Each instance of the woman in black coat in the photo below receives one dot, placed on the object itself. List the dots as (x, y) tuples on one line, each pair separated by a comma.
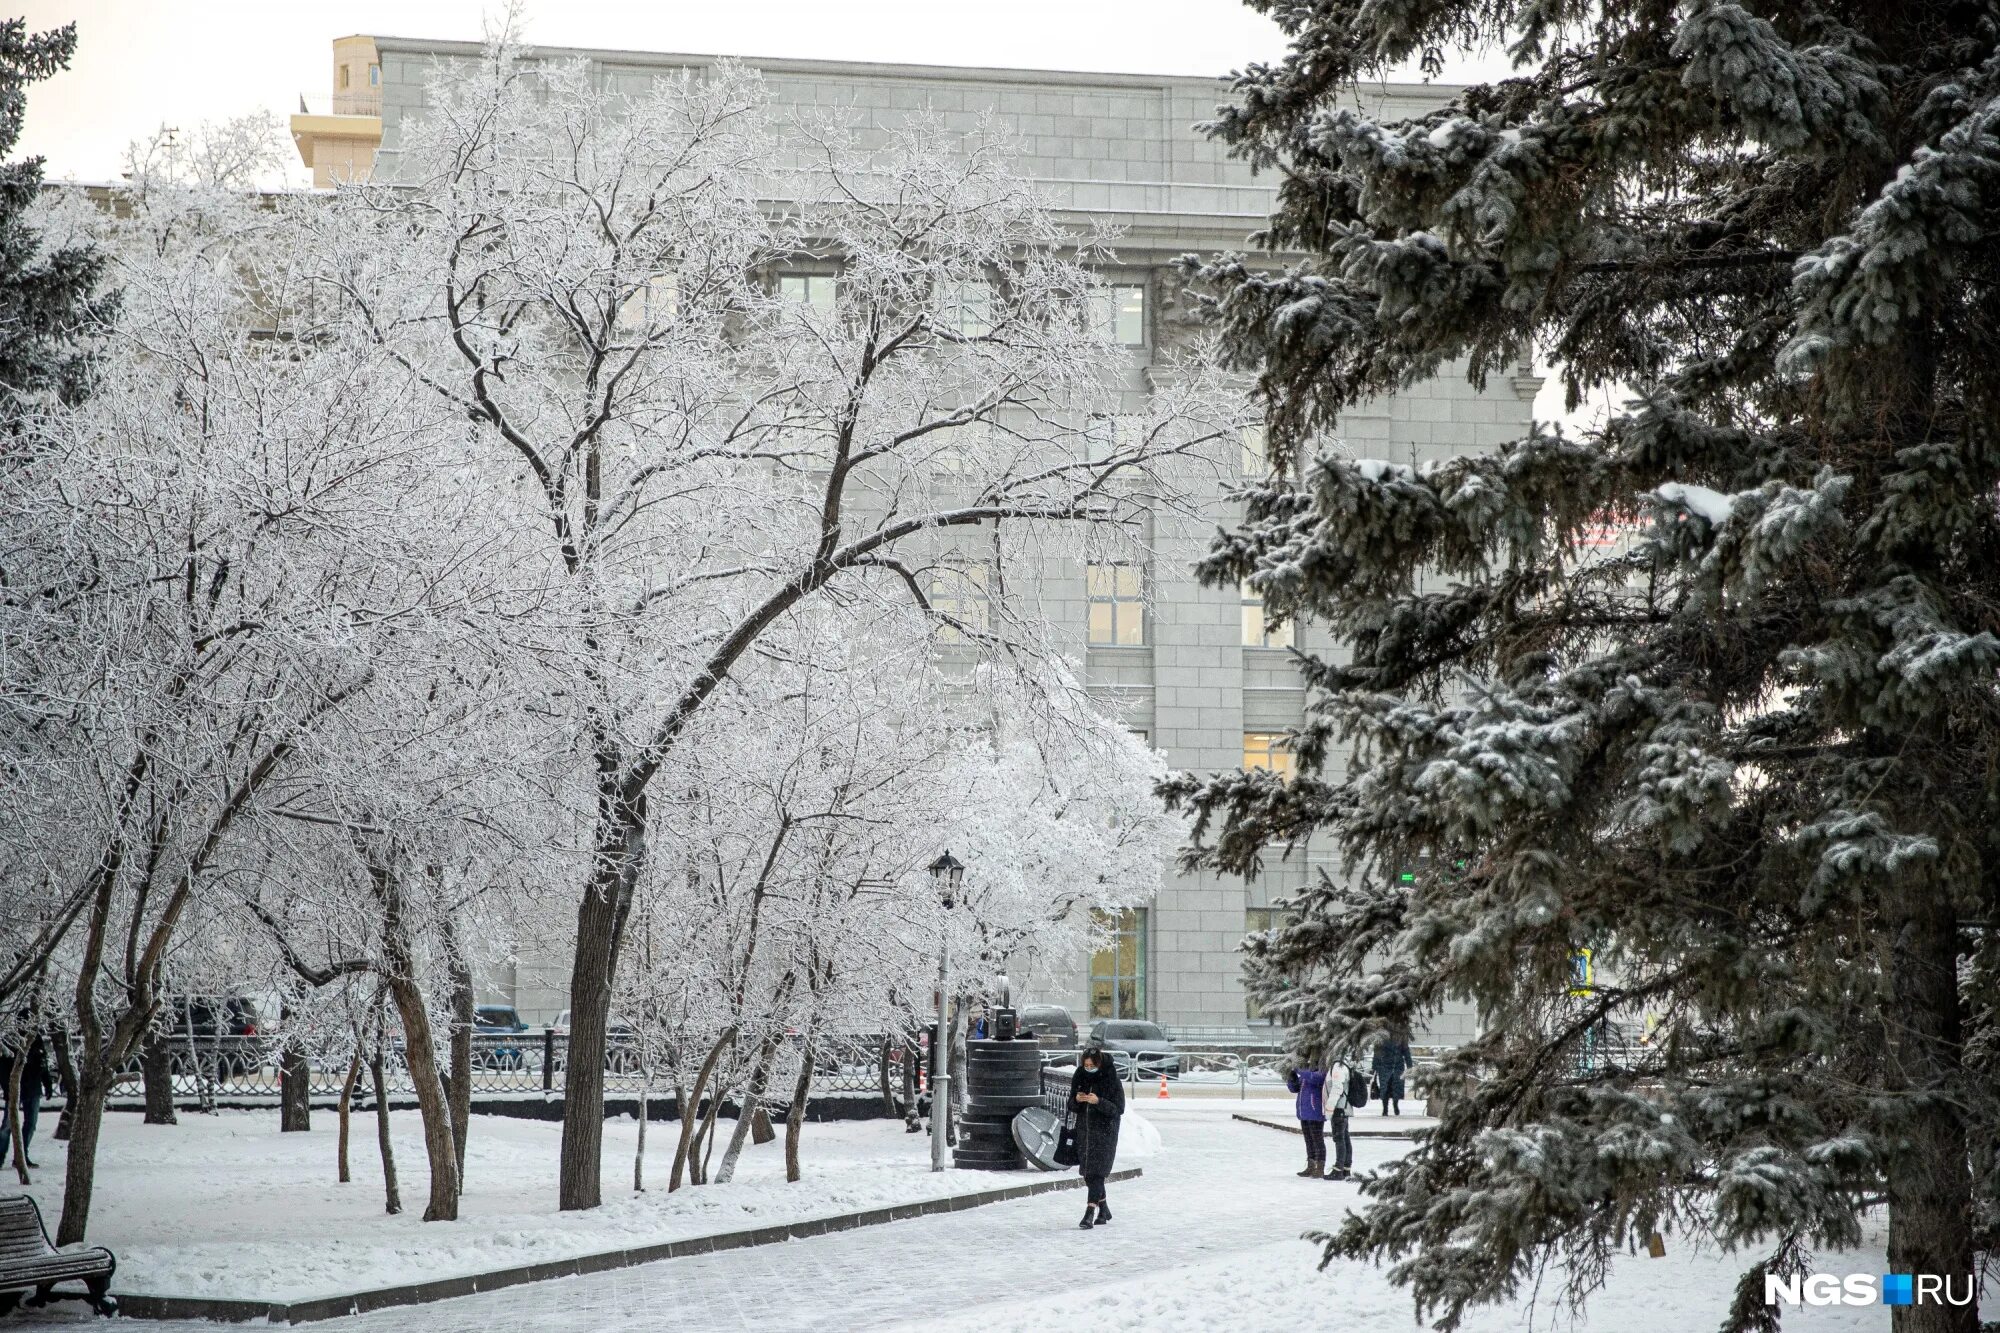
[(1098, 1099)]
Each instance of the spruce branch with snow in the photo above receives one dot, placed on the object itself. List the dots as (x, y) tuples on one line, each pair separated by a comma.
[(1747, 758)]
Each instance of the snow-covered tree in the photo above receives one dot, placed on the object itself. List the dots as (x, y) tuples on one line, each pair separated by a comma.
[(214, 550), (49, 295), (1750, 761), (725, 370)]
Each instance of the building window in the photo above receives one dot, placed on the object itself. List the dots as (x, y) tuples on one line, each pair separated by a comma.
[(1256, 452), (961, 593), (809, 289), (654, 301), (1118, 971), (374, 76), (1119, 313), (346, 77), (1268, 750), (1257, 920), (1257, 631), (1116, 597), (967, 308)]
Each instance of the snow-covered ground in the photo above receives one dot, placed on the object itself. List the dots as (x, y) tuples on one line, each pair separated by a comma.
[(225, 1205), (1207, 1240)]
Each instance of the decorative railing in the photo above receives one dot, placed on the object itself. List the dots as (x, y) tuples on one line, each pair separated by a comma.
[(209, 1068)]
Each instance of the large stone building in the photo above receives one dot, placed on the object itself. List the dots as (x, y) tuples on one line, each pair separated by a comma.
[(1190, 667)]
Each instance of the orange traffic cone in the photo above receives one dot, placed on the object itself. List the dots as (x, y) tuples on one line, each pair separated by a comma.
[(1163, 1087)]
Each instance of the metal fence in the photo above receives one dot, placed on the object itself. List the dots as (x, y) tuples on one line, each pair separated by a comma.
[(230, 1067)]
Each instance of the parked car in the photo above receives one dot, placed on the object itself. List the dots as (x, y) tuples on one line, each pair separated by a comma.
[(1130, 1042), (221, 1029), (621, 1044), (497, 1021), (1052, 1025)]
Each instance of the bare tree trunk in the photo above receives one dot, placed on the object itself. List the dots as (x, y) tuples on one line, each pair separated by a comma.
[(66, 1076), (600, 930), (690, 1110), (795, 1118), (1930, 1188), (346, 1112), (80, 1171), (639, 1153), (419, 1050), (294, 1089), (882, 1076), (746, 1112), (392, 1196), (460, 1088), (703, 1145), (421, 1058), (708, 1133), (156, 1072), (910, 1082)]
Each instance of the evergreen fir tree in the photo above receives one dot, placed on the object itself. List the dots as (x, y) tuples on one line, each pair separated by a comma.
[(1752, 759), (47, 296)]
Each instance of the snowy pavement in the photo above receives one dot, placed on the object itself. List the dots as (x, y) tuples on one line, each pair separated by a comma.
[(1206, 1240), (226, 1206)]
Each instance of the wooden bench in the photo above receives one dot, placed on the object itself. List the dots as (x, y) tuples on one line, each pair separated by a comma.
[(31, 1267)]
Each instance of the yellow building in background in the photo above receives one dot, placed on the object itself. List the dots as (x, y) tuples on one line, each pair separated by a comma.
[(341, 145)]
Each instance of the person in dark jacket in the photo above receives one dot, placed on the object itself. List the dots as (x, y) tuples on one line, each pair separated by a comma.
[(1098, 1099), (37, 1081), (1392, 1057), (1310, 1085)]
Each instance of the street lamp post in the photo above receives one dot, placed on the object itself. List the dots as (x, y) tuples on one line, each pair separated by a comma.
[(947, 874)]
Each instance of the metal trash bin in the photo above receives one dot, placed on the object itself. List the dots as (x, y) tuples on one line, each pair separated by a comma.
[(1002, 1079)]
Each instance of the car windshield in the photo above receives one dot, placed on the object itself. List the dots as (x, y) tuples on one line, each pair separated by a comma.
[(1132, 1032), (495, 1017)]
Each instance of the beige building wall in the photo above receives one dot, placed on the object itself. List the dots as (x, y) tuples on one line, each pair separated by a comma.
[(340, 143), (1116, 149)]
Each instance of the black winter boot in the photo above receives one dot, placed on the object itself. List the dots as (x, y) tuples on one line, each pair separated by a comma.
[(1086, 1224), (1103, 1212)]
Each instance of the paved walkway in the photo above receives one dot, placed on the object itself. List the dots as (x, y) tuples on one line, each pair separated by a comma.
[(1220, 1186)]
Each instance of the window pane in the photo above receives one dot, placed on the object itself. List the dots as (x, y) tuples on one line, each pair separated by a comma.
[(968, 308), (653, 301), (1132, 623), (1100, 999), (1100, 623), (1098, 439), (1266, 750), (1098, 580), (1131, 326), (813, 289), (1128, 581), (1256, 452)]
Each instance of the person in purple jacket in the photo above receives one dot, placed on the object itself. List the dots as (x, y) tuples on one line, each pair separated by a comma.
[(1310, 1085)]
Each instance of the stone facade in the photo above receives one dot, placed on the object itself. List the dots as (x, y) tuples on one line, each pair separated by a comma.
[(1119, 150)]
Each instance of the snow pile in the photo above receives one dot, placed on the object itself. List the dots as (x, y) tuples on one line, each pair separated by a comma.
[(1138, 1139)]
